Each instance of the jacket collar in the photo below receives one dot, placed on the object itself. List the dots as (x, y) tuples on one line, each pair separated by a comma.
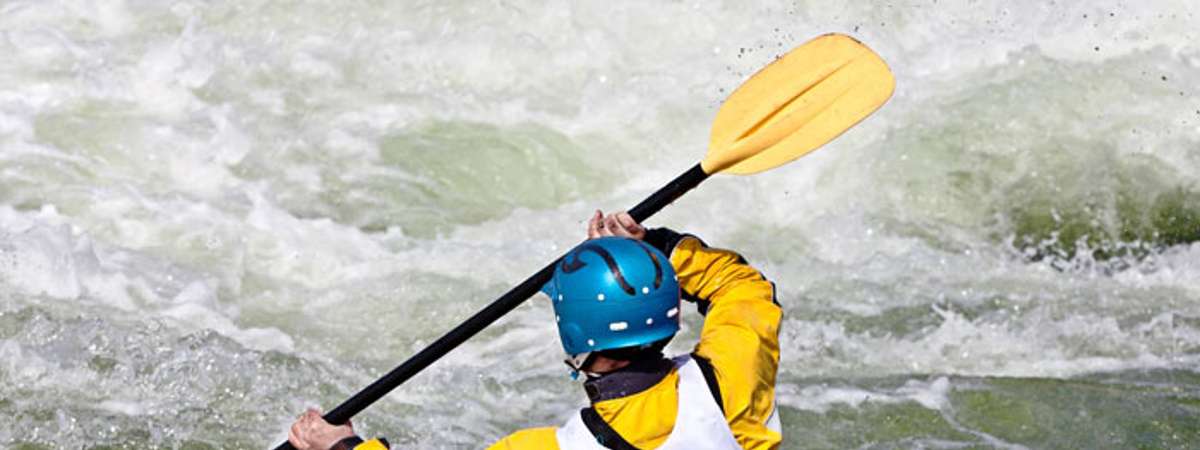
[(636, 377)]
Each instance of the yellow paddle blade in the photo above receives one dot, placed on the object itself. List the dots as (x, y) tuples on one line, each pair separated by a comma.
[(796, 104)]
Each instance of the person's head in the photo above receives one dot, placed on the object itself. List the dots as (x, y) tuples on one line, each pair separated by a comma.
[(615, 297)]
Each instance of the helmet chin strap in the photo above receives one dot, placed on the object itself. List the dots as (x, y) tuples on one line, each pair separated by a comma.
[(577, 363)]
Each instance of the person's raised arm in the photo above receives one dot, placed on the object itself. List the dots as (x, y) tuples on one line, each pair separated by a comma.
[(740, 337)]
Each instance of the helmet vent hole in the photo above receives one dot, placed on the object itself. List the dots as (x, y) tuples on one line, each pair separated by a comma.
[(618, 326)]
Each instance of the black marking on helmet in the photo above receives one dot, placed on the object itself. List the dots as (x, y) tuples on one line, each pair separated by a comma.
[(658, 271), (572, 263)]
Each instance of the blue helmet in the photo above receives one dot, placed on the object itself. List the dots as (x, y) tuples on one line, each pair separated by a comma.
[(613, 292)]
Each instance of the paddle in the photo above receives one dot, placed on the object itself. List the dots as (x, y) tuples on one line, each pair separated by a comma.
[(791, 107)]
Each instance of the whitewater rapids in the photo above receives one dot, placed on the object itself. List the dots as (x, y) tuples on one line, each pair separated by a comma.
[(216, 213)]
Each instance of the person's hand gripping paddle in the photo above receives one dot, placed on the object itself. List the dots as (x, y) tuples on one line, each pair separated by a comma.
[(791, 107)]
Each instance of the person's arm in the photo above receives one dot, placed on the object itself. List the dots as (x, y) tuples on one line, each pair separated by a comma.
[(740, 336), (530, 438)]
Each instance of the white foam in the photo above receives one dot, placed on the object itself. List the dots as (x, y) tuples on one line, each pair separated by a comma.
[(820, 398), (128, 408), (1039, 345), (40, 256)]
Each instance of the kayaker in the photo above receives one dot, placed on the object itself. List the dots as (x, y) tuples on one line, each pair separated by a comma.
[(616, 300)]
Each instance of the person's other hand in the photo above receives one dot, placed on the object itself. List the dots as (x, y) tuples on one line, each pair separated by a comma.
[(312, 432), (617, 224)]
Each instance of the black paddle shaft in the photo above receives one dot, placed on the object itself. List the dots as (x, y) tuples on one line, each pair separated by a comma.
[(493, 312)]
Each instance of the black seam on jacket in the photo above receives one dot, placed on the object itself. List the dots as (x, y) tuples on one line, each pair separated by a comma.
[(604, 433), (710, 378)]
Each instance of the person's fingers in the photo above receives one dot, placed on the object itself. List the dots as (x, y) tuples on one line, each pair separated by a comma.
[(614, 228), (635, 229), (603, 227), (295, 441), (594, 225), (627, 221), (294, 436), (307, 423)]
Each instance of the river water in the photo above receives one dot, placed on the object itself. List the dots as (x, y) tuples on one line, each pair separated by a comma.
[(216, 213)]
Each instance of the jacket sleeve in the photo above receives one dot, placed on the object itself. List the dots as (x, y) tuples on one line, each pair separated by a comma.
[(373, 444), (740, 336), (357, 443), (531, 438)]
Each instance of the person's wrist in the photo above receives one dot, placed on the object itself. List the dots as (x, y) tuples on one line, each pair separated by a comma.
[(663, 239), (347, 443)]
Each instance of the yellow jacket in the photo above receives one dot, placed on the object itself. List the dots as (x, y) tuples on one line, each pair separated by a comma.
[(740, 338)]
